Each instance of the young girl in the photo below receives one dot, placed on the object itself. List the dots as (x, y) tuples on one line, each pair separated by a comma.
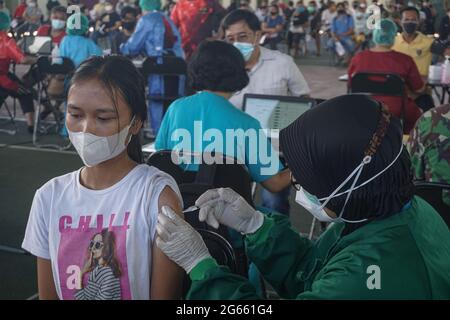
[(110, 206)]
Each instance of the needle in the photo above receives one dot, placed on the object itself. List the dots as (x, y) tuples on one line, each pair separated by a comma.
[(191, 209)]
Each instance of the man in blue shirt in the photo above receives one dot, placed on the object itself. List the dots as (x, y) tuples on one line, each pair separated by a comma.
[(342, 29), (155, 36), (273, 26)]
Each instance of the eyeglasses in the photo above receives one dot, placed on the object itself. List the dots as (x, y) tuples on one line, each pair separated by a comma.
[(95, 244), (294, 183)]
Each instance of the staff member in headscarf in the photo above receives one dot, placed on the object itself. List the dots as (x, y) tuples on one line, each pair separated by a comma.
[(349, 167)]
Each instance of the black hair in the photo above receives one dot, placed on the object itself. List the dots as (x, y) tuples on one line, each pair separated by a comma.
[(59, 9), (217, 66), (118, 75), (410, 9), (127, 10), (241, 15)]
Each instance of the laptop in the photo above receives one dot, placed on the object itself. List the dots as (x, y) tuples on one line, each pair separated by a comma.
[(276, 112)]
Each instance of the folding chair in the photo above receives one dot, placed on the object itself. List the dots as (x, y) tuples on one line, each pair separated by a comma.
[(11, 115), (173, 70), (45, 68), (381, 84), (432, 193), (209, 176)]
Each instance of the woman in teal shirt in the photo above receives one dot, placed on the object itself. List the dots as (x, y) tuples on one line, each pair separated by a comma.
[(349, 167), (207, 121)]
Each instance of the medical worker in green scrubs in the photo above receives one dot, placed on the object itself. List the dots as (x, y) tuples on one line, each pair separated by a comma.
[(349, 167)]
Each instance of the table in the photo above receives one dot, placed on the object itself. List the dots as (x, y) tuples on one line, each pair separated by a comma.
[(445, 90)]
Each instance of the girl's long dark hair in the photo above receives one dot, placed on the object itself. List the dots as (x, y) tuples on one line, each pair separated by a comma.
[(119, 76)]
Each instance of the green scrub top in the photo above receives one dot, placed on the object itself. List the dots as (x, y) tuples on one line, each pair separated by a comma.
[(405, 256)]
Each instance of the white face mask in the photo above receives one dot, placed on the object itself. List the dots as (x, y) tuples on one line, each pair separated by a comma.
[(316, 208), (93, 149)]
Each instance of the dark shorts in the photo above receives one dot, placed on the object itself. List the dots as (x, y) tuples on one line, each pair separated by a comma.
[(296, 37)]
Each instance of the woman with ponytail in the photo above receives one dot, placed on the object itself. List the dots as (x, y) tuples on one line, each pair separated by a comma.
[(114, 191)]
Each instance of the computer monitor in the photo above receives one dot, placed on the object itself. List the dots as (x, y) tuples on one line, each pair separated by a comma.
[(276, 112), (36, 45)]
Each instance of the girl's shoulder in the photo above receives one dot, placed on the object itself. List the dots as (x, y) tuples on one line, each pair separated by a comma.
[(60, 182)]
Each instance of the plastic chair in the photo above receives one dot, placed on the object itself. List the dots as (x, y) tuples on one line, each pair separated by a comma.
[(381, 84), (432, 192), (171, 68), (45, 68)]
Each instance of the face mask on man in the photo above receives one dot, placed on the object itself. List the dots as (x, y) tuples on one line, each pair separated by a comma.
[(245, 48), (410, 27), (316, 207), (31, 4), (58, 24), (93, 149), (311, 9), (341, 11)]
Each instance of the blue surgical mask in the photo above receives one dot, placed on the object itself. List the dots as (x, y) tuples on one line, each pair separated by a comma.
[(317, 208), (245, 48), (58, 24)]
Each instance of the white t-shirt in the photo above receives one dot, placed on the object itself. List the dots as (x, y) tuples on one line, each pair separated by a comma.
[(327, 17), (107, 233), (275, 74)]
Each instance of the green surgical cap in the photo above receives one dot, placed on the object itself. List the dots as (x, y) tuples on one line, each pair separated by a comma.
[(385, 32), (77, 24), (5, 21), (150, 5)]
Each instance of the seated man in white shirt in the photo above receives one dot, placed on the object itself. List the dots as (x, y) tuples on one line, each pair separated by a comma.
[(270, 72)]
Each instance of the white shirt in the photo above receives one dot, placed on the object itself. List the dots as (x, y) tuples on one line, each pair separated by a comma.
[(327, 17), (275, 74), (74, 227)]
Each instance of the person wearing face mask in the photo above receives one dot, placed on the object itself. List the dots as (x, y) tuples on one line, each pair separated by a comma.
[(328, 15), (315, 15), (261, 11), (57, 27), (127, 26), (32, 16), (155, 35), (270, 72), (381, 58), (297, 30), (107, 27), (100, 220), (385, 243), (272, 27), (342, 30), (412, 42)]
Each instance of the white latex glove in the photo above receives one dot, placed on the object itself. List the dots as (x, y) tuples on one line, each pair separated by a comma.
[(179, 241), (225, 206)]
